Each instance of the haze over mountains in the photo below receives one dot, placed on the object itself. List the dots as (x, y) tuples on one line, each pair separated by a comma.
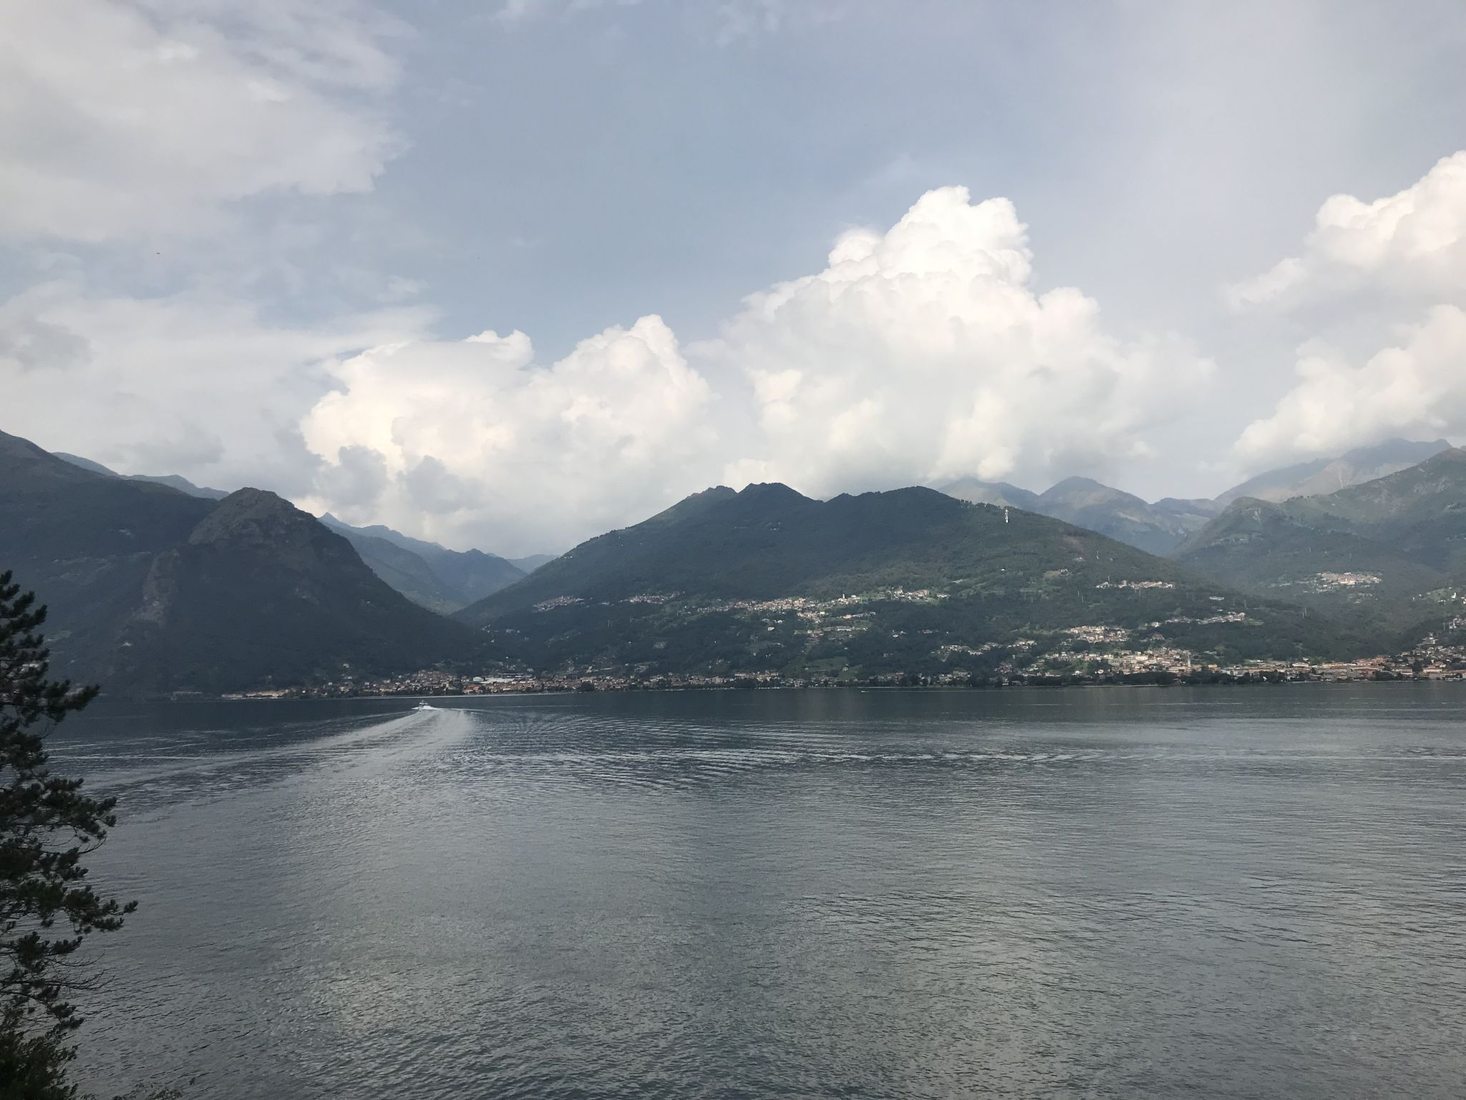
[(1161, 527), (433, 576), (160, 585)]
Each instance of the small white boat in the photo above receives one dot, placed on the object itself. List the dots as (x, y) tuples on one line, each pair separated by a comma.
[(423, 706)]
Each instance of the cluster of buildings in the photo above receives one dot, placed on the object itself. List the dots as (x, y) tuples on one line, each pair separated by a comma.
[(1162, 665), (1094, 654), (1432, 660)]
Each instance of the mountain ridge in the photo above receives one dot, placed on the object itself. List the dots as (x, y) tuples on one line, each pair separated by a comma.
[(907, 579), (150, 589), (433, 576), (430, 575), (1162, 526), (1392, 549)]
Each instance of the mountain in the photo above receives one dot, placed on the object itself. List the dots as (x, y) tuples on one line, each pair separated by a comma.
[(1155, 528), (1419, 511), (1120, 515), (532, 562), (1161, 527), (433, 576), (85, 464), (152, 589), (261, 592), (183, 485), (976, 491), (429, 575), (908, 580), (1392, 550), (1274, 549), (1328, 475), (1189, 515), (173, 481)]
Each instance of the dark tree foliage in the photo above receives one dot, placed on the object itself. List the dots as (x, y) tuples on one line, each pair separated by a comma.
[(47, 828)]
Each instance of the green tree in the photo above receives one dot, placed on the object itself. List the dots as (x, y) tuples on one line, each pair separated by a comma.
[(47, 829)]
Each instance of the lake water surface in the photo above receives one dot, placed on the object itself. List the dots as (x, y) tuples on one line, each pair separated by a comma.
[(1234, 892)]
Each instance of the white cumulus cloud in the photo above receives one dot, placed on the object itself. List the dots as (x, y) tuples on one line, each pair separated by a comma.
[(917, 354), (1414, 388), (926, 353), (121, 120), (186, 384), (1401, 260), (473, 442), (1411, 245)]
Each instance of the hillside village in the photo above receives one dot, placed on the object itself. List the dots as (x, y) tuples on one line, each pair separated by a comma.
[(1111, 665)]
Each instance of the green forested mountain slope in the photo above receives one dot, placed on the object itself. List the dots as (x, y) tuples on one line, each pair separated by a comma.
[(904, 580), (1392, 550), (430, 575), (152, 589), (262, 592), (1419, 511)]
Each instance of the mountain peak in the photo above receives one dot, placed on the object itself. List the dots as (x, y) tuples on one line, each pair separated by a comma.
[(770, 492), (255, 516), (974, 490), (1451, 456), (1085, 490)]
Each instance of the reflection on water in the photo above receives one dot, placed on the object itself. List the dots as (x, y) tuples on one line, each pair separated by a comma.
[(1234, 892)]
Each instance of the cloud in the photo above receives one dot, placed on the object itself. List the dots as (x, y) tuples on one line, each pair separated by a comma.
[(479, 444), (1416, 388), (189, 384), (925, 353), (123, 120), (1409, 245), (511, 12), (729, 21), (917, 354), (1401, 261)]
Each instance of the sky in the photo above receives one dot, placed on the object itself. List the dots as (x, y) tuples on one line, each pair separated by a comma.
[(511, 273)]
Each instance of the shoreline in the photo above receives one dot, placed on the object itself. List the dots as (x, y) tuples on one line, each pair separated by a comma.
[(617, 685)]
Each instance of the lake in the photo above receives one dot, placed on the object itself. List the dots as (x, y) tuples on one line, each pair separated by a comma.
[(1226, 892)]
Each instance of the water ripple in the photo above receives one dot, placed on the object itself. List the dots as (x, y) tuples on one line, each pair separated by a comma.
[(829, 894)]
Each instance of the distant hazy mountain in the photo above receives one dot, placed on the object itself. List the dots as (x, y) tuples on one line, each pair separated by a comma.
[(904, 580), (533, 562), (1120, 515), (1328, 475), (976, 491), (1161, 527), (1392, 549), (428, 574), (1155, 528), (153, 589), (173, 481)]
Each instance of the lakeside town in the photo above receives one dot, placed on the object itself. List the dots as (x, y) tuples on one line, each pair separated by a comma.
[(1432, 659)]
